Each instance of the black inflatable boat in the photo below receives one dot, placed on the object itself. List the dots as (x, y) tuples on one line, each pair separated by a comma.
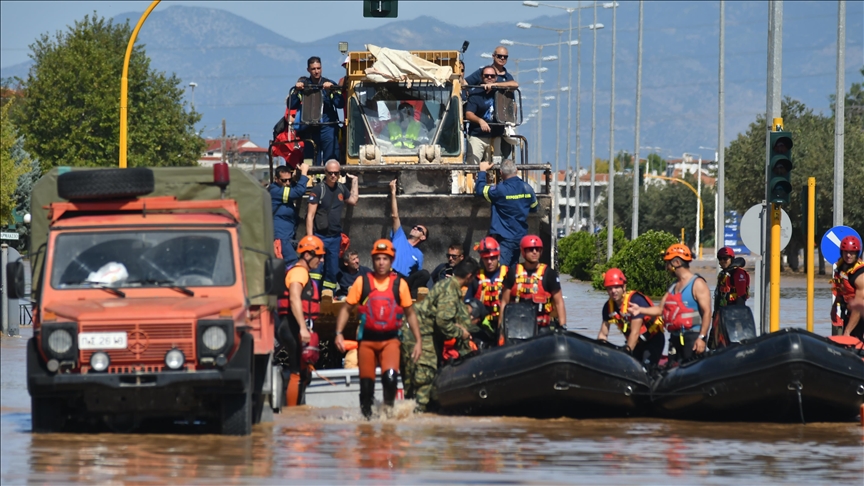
[(551, 375), (787, 376)]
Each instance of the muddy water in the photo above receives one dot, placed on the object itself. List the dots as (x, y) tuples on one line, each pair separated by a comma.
[(332, 445)]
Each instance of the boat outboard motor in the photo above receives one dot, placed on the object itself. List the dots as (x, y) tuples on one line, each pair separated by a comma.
[(389, 384), (736, 324), (520, 322)]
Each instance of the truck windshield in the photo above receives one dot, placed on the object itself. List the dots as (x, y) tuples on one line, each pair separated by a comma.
[(142, 258), (400, 119)]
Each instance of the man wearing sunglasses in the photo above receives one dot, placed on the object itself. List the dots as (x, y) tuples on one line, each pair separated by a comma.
[(502, 79), (483, 132), (324, 134), (455, 254), (285, 193), (409, 259), (324, 219)]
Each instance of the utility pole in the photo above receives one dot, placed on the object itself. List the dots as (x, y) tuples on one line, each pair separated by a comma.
[(839, 113), (634, 230), (593, 123), (569, 113), (772, 111), (610, 188), (223, 141), (720, 233), (577, 168)]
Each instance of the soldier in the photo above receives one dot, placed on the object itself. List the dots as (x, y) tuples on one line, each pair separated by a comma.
[(442, 315)]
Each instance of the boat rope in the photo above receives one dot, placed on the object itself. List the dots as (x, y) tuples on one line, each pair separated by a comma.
[(796, 386), (312, 369), (562, 386)]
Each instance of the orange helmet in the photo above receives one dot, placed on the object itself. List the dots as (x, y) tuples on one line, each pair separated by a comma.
[(530, 241), (678, 250), (310, 243), (614, 277), (488, 247), (383, 247)]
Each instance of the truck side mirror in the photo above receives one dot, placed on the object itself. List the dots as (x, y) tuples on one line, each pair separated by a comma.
[(15, 279), (274, 276)]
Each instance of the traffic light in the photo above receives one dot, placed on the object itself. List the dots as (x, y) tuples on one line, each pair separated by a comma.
[(780, 165), (380, 8)]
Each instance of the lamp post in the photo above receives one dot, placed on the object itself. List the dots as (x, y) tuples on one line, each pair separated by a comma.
[(699, 199), (193, 85), (719, 218), (634, 230), (610, 187)]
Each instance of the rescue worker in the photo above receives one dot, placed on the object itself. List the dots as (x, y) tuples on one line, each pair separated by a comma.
[(324, 135), (488, 287), (686, 307), (503, 79), (644, 335), (383, 299), (324, 219), (409, 258), (511, 200), (285, 195), (484, 133), (442, 316), (455, 254), (404, 130), (534, 282), (847, 284), (733, 282), (297, 311)]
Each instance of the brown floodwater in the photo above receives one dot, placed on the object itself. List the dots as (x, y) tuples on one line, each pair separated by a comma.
[(334, 446)]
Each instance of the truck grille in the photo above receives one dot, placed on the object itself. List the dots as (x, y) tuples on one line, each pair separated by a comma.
[(147, 345)]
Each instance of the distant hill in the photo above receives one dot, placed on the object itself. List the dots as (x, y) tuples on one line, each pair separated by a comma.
[(243, 71)]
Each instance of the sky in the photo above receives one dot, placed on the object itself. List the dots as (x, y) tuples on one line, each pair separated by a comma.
[(23, 21)]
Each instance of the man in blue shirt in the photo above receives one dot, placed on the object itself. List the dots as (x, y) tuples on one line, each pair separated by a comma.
[(483, 132), (503, 79), (349, 270), (285, 194), (511, 200), (409, 259), (323, 135)]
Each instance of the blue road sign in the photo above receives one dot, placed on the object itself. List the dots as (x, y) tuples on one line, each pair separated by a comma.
[(831, 242), (732, 233)]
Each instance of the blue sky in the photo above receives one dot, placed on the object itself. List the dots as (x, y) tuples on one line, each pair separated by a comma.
[(22, 22)]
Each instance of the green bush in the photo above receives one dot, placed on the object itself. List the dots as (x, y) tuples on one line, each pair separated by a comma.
[(642, 264), (577, 254)]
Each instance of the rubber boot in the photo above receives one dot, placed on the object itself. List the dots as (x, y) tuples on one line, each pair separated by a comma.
[(367, 396), (292, 393), (389, 384)]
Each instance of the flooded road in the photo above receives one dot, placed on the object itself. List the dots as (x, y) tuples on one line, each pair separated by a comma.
[(333, 445)]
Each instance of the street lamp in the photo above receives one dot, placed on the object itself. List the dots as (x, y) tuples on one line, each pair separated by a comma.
[(699, 199), (719, 219), (192, 85)]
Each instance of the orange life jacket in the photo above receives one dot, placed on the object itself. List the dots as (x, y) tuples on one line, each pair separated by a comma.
[(531, 287), (380, 312), (726, 293), (840, 284), (310, 297), (681, 311), (621, 318), (489, 291)]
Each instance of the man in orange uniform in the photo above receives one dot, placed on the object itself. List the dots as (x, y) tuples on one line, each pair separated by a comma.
[(686, 307), (644, 335), (534, 282), (383, 298), (297, 312)]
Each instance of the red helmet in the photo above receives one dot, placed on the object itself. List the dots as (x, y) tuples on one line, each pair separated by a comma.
[(726, 252), (530, 241), (850, 243), (614, 277), (488, 247)]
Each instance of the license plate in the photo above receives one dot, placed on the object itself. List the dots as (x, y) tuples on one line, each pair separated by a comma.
[(102, 340)]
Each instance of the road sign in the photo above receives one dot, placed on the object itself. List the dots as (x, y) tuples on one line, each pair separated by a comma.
[(732, 233), (831, 242), (752, 233), (15, 236)]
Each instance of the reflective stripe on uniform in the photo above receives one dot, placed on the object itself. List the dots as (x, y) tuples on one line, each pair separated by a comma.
[(486, 193), (285, 191)]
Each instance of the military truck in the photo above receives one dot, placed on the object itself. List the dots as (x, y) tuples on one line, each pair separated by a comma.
[(435, 184), (153, 294)]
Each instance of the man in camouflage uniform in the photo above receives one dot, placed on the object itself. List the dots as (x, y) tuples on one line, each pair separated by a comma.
[(441, 315)]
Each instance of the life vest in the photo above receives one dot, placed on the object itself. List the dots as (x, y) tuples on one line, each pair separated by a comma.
[(532, 287), (726, 293), (677, 315), (380, 312), (621, 318), (406, 139), (840, 284), (310, 297), (489, 292)]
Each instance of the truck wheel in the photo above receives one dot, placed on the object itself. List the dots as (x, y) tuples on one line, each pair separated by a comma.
[(236, 417), (105, 184), (47, 415)]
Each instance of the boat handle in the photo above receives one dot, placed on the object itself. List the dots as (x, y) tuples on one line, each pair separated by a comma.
[(561, 386), (860, 390), (628, 390), (482, 393)]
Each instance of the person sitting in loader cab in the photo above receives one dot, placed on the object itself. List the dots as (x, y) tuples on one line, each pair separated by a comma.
[(404, 130), (644, 335), (408, 261), (536, 283)]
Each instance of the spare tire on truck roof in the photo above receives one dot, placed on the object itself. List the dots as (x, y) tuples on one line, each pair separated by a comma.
[(105, 183)]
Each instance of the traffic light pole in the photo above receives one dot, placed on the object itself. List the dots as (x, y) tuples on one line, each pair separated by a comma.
[(775, 267)]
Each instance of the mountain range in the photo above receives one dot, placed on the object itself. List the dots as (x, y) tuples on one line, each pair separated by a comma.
[(243, 71)]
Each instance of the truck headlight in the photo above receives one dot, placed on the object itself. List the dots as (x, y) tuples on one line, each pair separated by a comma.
[(175, 359), (60, 341), (214, 338), (99, 361)]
